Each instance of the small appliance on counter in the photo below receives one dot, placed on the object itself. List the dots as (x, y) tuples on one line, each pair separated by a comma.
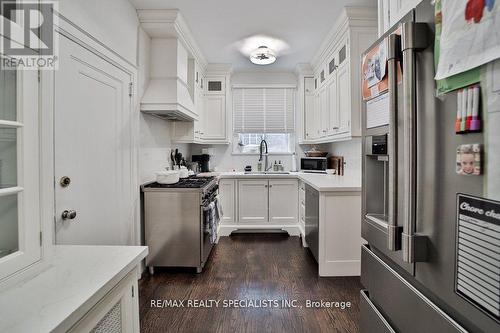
[(203, 161), (313, 164)]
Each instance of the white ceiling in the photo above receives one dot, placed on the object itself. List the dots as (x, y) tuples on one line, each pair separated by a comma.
[(219, 26)]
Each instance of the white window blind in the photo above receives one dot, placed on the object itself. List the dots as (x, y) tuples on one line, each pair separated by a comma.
[(264, 110)]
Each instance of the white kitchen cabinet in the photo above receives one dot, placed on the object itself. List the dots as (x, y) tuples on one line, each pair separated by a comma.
[(324, 112), (399, 8), (316, 117), (391, 11), (253, 201), (308, 107), (214, 118), (211, 103), (117, 312), (227, 194), (283, 195), (343, 94), (333, 108), (336, 66)]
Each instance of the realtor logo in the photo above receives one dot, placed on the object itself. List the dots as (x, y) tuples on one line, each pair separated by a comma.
[(27, 34)]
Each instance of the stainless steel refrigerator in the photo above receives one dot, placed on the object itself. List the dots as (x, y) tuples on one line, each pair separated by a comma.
[(432, 262)]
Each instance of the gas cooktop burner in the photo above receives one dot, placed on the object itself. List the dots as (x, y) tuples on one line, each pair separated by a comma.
[(191, 182)]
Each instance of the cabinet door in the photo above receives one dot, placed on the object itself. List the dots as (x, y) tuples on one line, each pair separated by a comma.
[(283, 200), (324, 112), (399, 8), (117, 312), (253, 201), (333, 107), (309, 107), (200, 106), (344, 98), (227, 194), (214, 118), (315, 133)]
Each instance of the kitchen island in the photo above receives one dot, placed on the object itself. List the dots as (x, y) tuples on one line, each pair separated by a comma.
[(277, 201)]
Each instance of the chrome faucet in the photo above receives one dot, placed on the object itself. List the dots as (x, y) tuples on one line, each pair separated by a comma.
[(266, 154)]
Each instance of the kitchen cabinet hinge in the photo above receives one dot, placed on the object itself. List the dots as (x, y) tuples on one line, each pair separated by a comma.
[(41, 238), (132, 291), (130, 89)]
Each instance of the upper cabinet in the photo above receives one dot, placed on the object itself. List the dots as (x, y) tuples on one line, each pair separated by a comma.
[(212, 102), (391, 11), (335, 113)]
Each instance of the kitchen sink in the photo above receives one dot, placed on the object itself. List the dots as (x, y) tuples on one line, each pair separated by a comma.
[(267, 173)]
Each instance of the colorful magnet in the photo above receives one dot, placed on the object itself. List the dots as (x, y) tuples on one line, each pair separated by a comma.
[(469, 159)]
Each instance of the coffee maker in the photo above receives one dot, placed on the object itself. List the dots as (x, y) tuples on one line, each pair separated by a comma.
[(204, 162)]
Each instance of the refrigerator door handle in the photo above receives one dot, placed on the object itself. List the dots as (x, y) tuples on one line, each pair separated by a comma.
[(414, 38), (393, 59)]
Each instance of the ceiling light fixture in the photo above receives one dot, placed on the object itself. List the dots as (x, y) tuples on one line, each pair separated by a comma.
[(263, 56)]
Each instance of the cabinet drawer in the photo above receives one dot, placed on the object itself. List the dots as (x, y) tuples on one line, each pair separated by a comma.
[(371, 320), (405, 308)]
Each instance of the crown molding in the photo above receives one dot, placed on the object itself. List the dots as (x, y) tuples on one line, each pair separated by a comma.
[(220, 69)]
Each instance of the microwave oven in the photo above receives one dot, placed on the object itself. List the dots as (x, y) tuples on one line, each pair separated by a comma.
[(313, 164)]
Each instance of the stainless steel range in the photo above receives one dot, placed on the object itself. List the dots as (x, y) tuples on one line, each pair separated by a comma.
[(175, 226)]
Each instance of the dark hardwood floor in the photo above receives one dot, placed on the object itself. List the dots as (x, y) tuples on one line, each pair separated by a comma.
[(250, 267)]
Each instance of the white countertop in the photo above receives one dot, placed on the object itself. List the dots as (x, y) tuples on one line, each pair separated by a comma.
[(321, 182), (76, 277)]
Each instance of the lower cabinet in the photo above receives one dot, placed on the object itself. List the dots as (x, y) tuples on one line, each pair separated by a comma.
[(283, 196), (117, 312), (227, 195), (258, 201), (253, 201)]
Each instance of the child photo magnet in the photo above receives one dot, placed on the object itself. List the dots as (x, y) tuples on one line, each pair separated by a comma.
[(469, 159)]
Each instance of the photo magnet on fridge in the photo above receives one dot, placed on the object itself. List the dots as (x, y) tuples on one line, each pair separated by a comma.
[(469, 159)]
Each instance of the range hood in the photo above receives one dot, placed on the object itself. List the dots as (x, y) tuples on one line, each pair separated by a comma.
[(169, 93)]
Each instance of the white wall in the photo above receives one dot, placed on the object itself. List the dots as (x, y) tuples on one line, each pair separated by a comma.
[(155, 134), (113, 22), (351, 150)]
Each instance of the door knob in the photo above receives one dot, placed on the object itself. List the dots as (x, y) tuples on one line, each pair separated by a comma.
[(65, 181), (68, 214)]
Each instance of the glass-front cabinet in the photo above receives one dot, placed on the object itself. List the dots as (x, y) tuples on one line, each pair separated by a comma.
[(20, 237)]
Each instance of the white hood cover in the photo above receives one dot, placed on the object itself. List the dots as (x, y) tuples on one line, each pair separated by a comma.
[(168, 98), (170, 91)]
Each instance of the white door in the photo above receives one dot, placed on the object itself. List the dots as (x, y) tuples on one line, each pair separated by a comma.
[(227, 195), (93, 147), (283, 200), (253, 201), (214, 118)]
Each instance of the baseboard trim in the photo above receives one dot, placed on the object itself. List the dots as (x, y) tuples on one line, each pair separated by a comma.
[(226, 230), (340, 268)]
